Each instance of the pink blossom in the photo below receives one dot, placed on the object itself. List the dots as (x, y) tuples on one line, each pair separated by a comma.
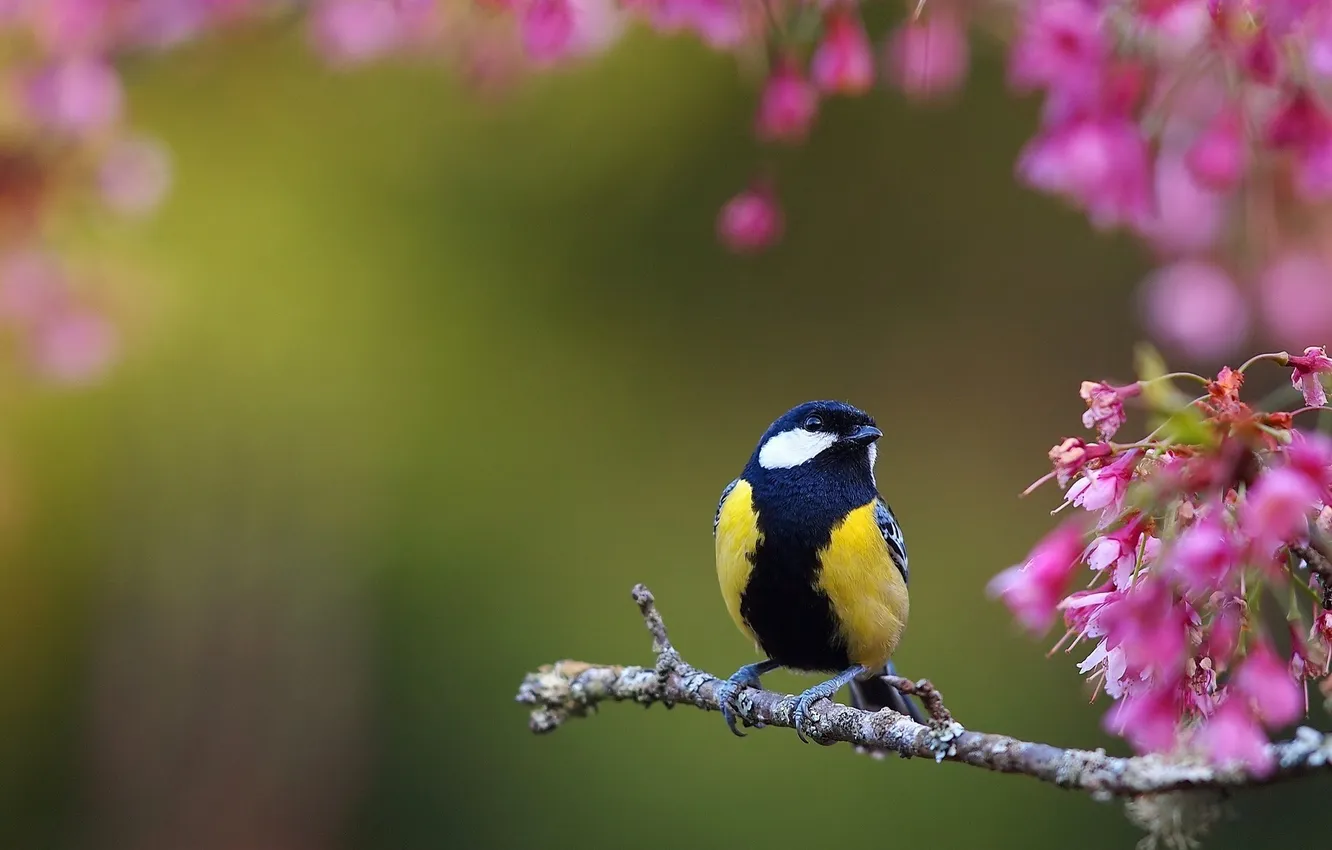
[(1265, 681), (1105, 406), (354, 31), (32, 287), (1059, 44), (75, 96), (1082, 609), (1220, 154), (1187, 216), (1321, 635), (1231, 735), (1119, 551), (1308, 367), (134, 176), (1276, 508), (1147, 720), (1201, 694), (1223, 634), (787, 106), (751, 221), (68, 27), (1195, 308), (1206, 555), (843, 62), (1304, 128), (1105, 487), (1310, 454), (547, 28), (74, 346), (1032, 589), (1296, 299), (721, 24), (1101, 164), (1151, 628), (928, 58), (1070, 456)]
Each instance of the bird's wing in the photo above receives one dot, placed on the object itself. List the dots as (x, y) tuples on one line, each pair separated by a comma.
[(716, 518), (892, 535)]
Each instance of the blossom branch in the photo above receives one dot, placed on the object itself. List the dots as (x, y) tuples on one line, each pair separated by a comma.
[(567, 689)]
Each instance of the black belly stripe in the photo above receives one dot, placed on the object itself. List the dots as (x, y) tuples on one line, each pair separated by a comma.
[(792, 619)]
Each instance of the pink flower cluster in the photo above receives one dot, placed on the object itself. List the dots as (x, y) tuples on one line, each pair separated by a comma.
[(1202, 127), (68, 140), (1177, 541)]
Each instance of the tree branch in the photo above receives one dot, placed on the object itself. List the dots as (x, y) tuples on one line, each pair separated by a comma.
[(567, 689)]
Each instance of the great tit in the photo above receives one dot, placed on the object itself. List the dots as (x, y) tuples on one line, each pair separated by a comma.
[(812, 562)]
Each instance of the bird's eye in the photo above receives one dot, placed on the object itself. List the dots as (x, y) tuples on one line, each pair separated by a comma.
[(813, 423)]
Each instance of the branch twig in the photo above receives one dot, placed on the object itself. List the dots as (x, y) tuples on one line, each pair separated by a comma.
[(1318, 563), (567, 689)]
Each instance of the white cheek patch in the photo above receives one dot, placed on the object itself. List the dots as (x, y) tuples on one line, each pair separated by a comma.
[(873, 456), (794, 447)]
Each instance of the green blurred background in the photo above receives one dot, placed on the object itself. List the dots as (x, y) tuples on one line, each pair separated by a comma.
[(419, 384)]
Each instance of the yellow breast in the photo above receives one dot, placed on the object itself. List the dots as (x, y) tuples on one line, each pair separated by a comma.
[(737, 538), (867, 591)]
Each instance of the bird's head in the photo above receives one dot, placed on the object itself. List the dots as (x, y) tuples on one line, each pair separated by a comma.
[(829, 431)]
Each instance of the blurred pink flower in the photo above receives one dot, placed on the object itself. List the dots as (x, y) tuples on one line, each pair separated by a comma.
[(1151, 628), (349, 32), (1032, 589), (1194, 308), (1223, 636), (74, 346), (547, 28), (1146, 720), (1186, 216), (1231, 735), (1206, 555), (1101, 164), (787, 106), (1276, 509), (1219, 156), (1059, 44), (1265, 681), (68, 27), (32, 287), (134, 176), (1296, 299), (77, 96), (1310, 455), (928, 58), (751, 221), (843, 62), (1307, 368), (721, 24)]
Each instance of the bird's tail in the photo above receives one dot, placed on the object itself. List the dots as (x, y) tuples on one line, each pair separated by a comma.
[(875, 693)]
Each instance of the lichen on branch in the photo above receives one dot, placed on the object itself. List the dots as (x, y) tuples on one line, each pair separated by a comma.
[(566, 689)]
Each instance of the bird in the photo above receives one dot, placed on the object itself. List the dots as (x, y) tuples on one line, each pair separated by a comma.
[(812, 561)]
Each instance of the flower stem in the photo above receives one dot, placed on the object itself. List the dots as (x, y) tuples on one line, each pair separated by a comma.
[(1281, 358)]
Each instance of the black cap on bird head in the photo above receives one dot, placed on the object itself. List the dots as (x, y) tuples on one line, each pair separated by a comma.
[(829, 430)]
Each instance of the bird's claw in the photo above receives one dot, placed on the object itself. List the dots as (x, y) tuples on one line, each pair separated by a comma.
[(728, 690), (800, 717)]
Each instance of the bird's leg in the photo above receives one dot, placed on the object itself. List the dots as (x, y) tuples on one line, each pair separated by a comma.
[(745, 677), (800, 717)]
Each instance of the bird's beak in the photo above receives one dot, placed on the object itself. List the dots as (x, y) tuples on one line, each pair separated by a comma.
[(864, 435)]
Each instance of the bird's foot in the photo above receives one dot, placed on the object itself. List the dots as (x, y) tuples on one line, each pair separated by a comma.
[(745, 677), (803, 715)]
